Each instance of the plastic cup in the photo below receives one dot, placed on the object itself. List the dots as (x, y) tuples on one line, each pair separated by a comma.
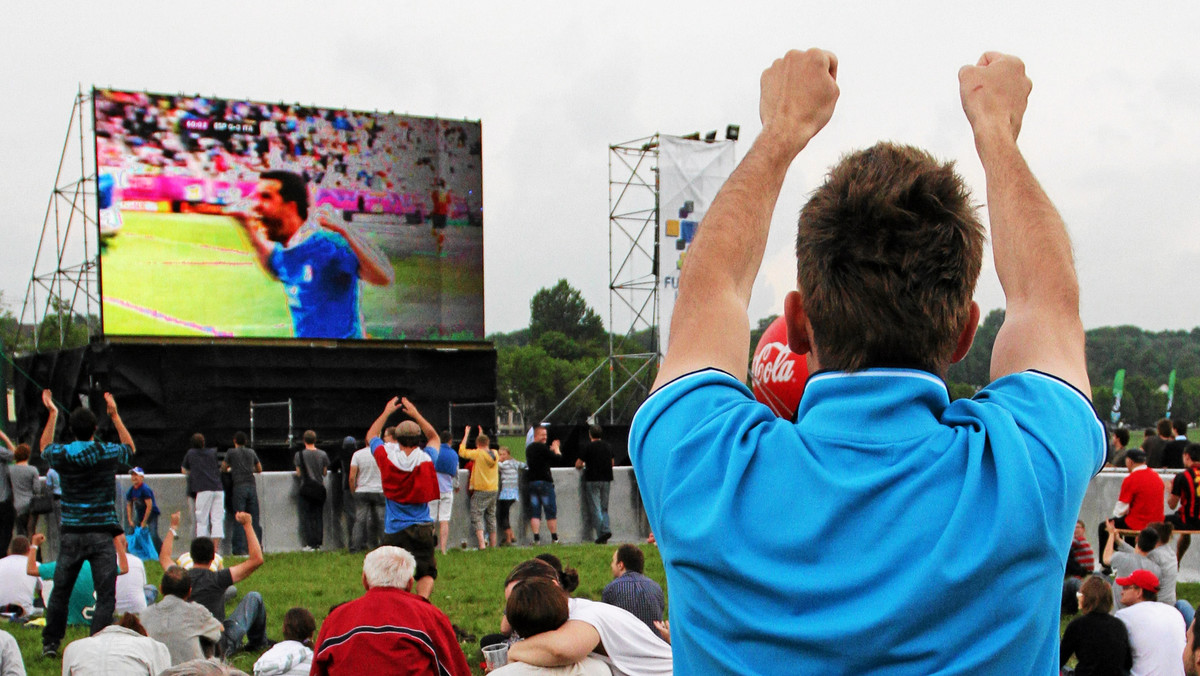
[(495, 656)]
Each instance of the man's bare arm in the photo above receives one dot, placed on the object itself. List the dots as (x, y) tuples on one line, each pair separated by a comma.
[(48, 432), (709, 326), (7, 442), (122, 433), (168, 543), (262, 246), (427, 429), (376, 427), (373, 266), (1042, 329), (568, 644), (243, 570)]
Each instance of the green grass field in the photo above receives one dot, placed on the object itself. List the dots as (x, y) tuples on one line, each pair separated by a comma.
[(469, 590), (197, 275)]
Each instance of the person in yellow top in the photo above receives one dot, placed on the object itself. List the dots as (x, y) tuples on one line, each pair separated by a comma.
[(485, 482)]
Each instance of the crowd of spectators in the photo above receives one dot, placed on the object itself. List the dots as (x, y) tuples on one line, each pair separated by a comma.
[(383, 153)]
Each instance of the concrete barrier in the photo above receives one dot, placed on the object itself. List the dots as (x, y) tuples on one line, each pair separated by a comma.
[(279, 493), (1101, 496)]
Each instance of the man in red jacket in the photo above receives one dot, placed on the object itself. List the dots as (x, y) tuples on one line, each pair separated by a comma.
[(389, 630), (1141, 501)]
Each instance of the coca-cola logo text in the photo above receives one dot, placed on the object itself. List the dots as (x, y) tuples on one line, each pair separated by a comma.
[(774, 364)]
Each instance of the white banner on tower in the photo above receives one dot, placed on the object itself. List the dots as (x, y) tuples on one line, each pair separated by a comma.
[(690, 173)]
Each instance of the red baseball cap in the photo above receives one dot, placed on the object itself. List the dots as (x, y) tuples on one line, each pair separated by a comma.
[(1140, 578)]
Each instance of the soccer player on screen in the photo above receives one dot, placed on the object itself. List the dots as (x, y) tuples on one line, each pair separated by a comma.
[(319, 261)]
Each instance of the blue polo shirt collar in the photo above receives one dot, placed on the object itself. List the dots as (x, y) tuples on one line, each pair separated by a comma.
[(886, 403)]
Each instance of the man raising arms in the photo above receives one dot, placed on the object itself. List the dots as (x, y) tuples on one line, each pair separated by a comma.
[(967, 508), (89, 517)]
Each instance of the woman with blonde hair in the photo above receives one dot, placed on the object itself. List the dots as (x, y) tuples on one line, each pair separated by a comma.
[(1096, 638)]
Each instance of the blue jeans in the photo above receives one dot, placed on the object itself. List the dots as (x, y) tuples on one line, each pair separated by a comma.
[(245, 499), (96, 548), (541, 497), (369, 516), (597, 497), (249, 621)]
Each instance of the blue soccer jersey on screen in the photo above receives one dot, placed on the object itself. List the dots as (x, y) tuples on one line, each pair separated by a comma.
[(887, 530), (320, 276)]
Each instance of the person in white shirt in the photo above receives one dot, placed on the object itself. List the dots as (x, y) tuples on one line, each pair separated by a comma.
[(131, 587), (534, 607), (121, 649), (369, 504), (17, 587), (11, 663), (594, 629), (1156, 631), (293, 655)]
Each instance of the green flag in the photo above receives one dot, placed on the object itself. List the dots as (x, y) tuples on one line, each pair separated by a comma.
[(1170, 392), (1118, 387)]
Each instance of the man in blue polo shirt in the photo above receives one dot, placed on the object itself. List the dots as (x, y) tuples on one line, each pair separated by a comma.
[(886, 529), (319, 263), (89, 516)]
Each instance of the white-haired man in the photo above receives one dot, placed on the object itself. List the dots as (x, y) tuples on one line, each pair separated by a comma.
[(388, 626)]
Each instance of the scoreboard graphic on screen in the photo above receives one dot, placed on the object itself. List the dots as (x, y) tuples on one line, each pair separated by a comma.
[(240, 219)]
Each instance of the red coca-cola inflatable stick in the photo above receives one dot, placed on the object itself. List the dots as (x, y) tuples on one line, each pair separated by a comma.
[(777, 374)]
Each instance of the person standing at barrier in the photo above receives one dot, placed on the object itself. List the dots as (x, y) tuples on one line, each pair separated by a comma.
[(319, 263), (596, 461), (510, 492), (485, 481), (311, 465), (8, 513), (141, 507), (87, 468), (409, 484), (370, 506), (932, 534), (542, 498), (242, 463), (447, 475), (203, 470)]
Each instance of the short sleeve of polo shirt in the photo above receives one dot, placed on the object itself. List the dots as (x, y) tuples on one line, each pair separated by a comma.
[(339, 253), (1179, 484)]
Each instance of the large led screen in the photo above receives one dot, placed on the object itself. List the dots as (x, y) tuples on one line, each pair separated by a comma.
[(240, 219)]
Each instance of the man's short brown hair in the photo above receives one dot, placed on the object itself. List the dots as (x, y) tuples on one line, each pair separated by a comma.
[(1164, 428), (888, 252)]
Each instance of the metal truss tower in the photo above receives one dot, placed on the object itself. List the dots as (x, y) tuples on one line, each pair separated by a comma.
[(65, 280), (633, 285)]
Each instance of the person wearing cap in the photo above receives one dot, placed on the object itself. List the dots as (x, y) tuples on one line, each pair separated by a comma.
[(141, 508), (1156, 630), (1141, 500), (242, 463), (410, 483)]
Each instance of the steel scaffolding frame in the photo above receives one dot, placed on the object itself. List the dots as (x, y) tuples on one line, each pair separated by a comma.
[(66, 280)]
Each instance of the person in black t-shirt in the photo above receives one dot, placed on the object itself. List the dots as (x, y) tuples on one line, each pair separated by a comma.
[(542, 499), (249, 620), (596, 461), (1097, 639)]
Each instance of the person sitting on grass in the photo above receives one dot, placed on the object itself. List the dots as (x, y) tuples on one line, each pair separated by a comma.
[(249, 619), (1097, 640), (188, 630), (121, 649), (388, 626), (536, 606), (293, 655), (612, 634)]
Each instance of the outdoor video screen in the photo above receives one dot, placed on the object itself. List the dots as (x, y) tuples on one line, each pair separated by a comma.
[(239, 219)]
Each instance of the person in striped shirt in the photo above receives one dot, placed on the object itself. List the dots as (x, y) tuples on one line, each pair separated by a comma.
[(89, 516)]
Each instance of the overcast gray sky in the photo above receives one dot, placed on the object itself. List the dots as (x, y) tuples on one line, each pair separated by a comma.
[(1112, 127)]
